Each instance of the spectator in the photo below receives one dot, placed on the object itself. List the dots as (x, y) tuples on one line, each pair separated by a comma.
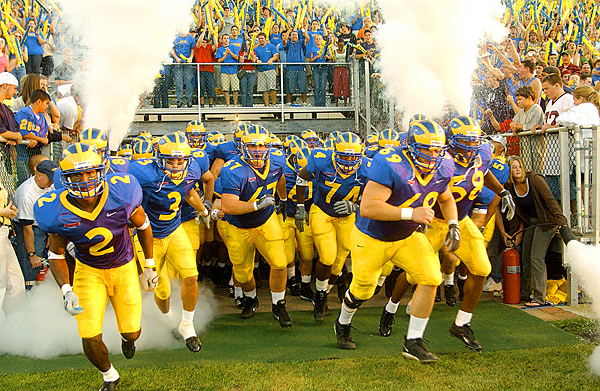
[(266, 79), (70, 118), (366, 26), (229, 79), (312, 33), (341, 74), (12, 284), (182, 52), (31, 241), (47, 63), (274, 36), (235, 40), (62, 37), (566, 57), (248, 79), (65, 73), (34, 42), (526, 77), (319, 55), (356, 23), (9, 127), (14, 66), (493, 95), (585, 80), (161, 86), (585, 111), (3, 55), (295, 75), (227, 22), (204, 52), (348, 38)]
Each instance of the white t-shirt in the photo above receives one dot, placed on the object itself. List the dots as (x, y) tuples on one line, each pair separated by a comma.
[(585, 114), (26, 196), (554, 109), (68, 112)]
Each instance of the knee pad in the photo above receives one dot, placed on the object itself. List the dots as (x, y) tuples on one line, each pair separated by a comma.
[(351, 301)]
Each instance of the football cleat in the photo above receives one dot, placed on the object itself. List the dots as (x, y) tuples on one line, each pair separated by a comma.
[(385, 323), (128, 348), (306, 292), (450, 295), (110, 385), (293, 286), (250, 305), (193, 344), (438, 295), (280, 313), (239, 302), (320, 304), (342, 332), (465, 334), (414, 349)]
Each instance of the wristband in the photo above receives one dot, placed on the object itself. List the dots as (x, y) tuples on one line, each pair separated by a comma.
[(301, 181), (150, 262), (283, 199), (66, 288), (145, 225), (406, 213), (52, 255), (450, 222)]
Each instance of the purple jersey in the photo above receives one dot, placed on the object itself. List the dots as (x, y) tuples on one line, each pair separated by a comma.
[(101, 237), (187, 211), (393, 168)]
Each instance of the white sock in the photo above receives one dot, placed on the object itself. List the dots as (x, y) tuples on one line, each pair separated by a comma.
[(462, 277), (231, 280), (463, 318), (329, 286), (391, 307), (238, 291), (416, 327), (251, 294), (306, 279), (187, 316), (349, 265), (111, 374), (186, 329), (221, 264), (322, 284), (291, 272), (346, 314), (381, 281), (276, 296), (448, 278)]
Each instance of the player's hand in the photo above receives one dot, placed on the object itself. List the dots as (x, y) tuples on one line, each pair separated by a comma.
[(301, 217), (266, 201), (508, 205), (452, 242), (203, 218), (345, 208), (149, 279), (71, 303), (423, 215), (281, 208)]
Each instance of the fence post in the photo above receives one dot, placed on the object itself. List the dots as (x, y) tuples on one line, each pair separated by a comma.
[(587, 169), (198, 94), (282, 95), (573, 291), (578, 188), (595, 189), (367, 99), (356, 95)]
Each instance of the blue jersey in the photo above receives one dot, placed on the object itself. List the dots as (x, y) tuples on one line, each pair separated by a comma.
[(163, 196), (394, 168), (372, 151), (116, 165), (467, 182), (239, 178), (210, 149), (218, 188), (290, 186), (29, 122), (226, 151), (502, 172), (101, 237), (227, 69), (187, 211), (329, 185)]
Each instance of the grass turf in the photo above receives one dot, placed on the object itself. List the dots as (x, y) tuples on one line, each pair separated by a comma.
[(231, 340)]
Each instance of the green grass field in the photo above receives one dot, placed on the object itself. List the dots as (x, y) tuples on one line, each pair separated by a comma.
[(521, 353)]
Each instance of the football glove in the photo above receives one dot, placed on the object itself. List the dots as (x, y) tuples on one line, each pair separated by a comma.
[(207, 204), (345, 208), (301, 217), (71, 303), (281, 208), (149, 279), (508, 205), (452, 242), (266, 201)]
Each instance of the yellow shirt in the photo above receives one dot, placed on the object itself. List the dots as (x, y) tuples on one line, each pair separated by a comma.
[(3, 203)]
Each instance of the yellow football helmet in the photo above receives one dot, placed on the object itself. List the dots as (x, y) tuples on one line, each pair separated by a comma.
[(143, 150), (256, 145), (428, 136), (287, 141), (195, 133), (239, 133), (146, 135), (463, 135), (416, 118), (173, 146), (97, 138), (125, 150), (311, 138), (328, 144), (275, 141), (372, 139), (302, 156), (333, 135), (348, 152), (296, 145), (388, 138), (79, 158), (215, 137)]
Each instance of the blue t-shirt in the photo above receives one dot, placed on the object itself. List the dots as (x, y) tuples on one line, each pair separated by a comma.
[(264, 54), (187, 211), (184, 47), (236, 44), (32, 44), (240, 179), (319, 52), (358, 24), (394, 169), (275, 39), (227, 69), (29, 122), (101, 237), (294, 52)]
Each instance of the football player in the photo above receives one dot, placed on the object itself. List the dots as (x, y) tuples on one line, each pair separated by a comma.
[(404, 184), (339, 179), (92, 210), (228, 150), (166, 181), (310, 137), (388, 138), (143, 150), (249, 183), (125, 151), (197, 137)]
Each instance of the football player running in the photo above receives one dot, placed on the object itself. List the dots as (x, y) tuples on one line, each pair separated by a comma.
[(404, 184), (92, 211), (166, 181), (248, 186), (339, 177)]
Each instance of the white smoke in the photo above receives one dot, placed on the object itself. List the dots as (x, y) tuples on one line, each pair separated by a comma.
[(42, 329), (127, 41), (585, 264), (429, 51)]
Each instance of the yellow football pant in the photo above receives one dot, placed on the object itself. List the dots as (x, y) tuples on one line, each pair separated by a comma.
[(95, 287), (331, 236), (471, 251), (242, 242), (296, 240), (370, 256), (196, 233)]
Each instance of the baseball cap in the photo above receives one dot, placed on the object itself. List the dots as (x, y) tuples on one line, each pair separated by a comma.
[(499, 139), (8, 78), (551, 71), (47, 167), (566, 52)]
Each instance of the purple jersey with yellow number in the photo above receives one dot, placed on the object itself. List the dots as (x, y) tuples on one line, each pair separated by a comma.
[(467, 182), (187, 211), (394, 169), (101, 237)]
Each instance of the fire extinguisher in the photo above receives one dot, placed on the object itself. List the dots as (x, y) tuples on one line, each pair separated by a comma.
[(42, 273), (511, 276)]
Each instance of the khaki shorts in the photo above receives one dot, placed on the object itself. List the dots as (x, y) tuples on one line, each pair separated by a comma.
[(266, 80), (230, 82)]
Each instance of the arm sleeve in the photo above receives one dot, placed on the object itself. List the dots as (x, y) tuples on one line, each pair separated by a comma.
[(541, 187), (380, 171), (230, 182)]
